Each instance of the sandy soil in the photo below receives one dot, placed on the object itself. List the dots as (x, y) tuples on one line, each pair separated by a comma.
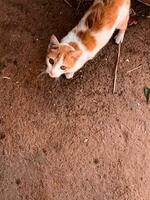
[(71, 139)]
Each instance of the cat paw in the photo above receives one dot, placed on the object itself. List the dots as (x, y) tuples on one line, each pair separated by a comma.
[(119, 37), (69, 75)]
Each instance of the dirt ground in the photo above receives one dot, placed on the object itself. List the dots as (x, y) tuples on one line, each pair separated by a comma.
[(71, 139)]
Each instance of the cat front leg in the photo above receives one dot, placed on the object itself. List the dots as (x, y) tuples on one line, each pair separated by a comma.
[(69, 75)]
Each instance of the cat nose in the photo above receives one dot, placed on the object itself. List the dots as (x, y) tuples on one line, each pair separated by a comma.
[(49, 73), (52, 76)]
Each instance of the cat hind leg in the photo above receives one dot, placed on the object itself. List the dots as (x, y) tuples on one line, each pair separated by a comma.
[(122, 29)]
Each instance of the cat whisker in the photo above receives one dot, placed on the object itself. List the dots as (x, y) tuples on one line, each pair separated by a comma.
[(41, 74)]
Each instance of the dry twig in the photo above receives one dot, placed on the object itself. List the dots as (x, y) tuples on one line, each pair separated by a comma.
[(67, 2), (116, 69), (146, 2), (134, 69), (6, 77)]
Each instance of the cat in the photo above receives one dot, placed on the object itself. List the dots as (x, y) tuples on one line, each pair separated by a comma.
[(91, 34)]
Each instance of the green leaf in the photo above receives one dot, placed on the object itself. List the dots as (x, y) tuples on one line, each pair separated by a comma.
[(147, 93)]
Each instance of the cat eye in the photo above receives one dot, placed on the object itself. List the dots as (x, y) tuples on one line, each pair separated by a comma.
[(51, 61), (63, 67)]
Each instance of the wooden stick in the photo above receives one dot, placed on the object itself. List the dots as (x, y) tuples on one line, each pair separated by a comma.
[(116, 69), (134, 69), (147, 3), (6, 77), (67, 2), (78, 5)]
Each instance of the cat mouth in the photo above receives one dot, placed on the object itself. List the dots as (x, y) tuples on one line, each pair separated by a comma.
[(52, 75)]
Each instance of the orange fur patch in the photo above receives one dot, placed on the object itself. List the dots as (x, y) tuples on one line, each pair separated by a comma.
[(68, 61), (103, 14), (87, 39), (72, 56), (74, 45), (94, 17), (57, 53)]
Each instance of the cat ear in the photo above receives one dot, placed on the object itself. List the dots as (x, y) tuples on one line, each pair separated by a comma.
[(54, 43)]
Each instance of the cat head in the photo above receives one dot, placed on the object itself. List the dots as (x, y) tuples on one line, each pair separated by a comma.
[(61, 57)]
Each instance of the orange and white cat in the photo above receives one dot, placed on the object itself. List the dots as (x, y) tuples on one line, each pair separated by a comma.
[(84, 41)]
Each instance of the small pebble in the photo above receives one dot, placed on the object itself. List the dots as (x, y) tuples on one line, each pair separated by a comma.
[(18, 181), (86, 140), (2, 136), (15, 62), (96, 161)]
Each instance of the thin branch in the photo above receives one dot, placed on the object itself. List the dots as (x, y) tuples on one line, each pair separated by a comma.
[(144, 2), (116, 69), (134, 69), (6, 77), (67, 2)]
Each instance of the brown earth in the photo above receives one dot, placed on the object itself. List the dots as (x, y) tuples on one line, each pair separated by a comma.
[(71, 139)]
